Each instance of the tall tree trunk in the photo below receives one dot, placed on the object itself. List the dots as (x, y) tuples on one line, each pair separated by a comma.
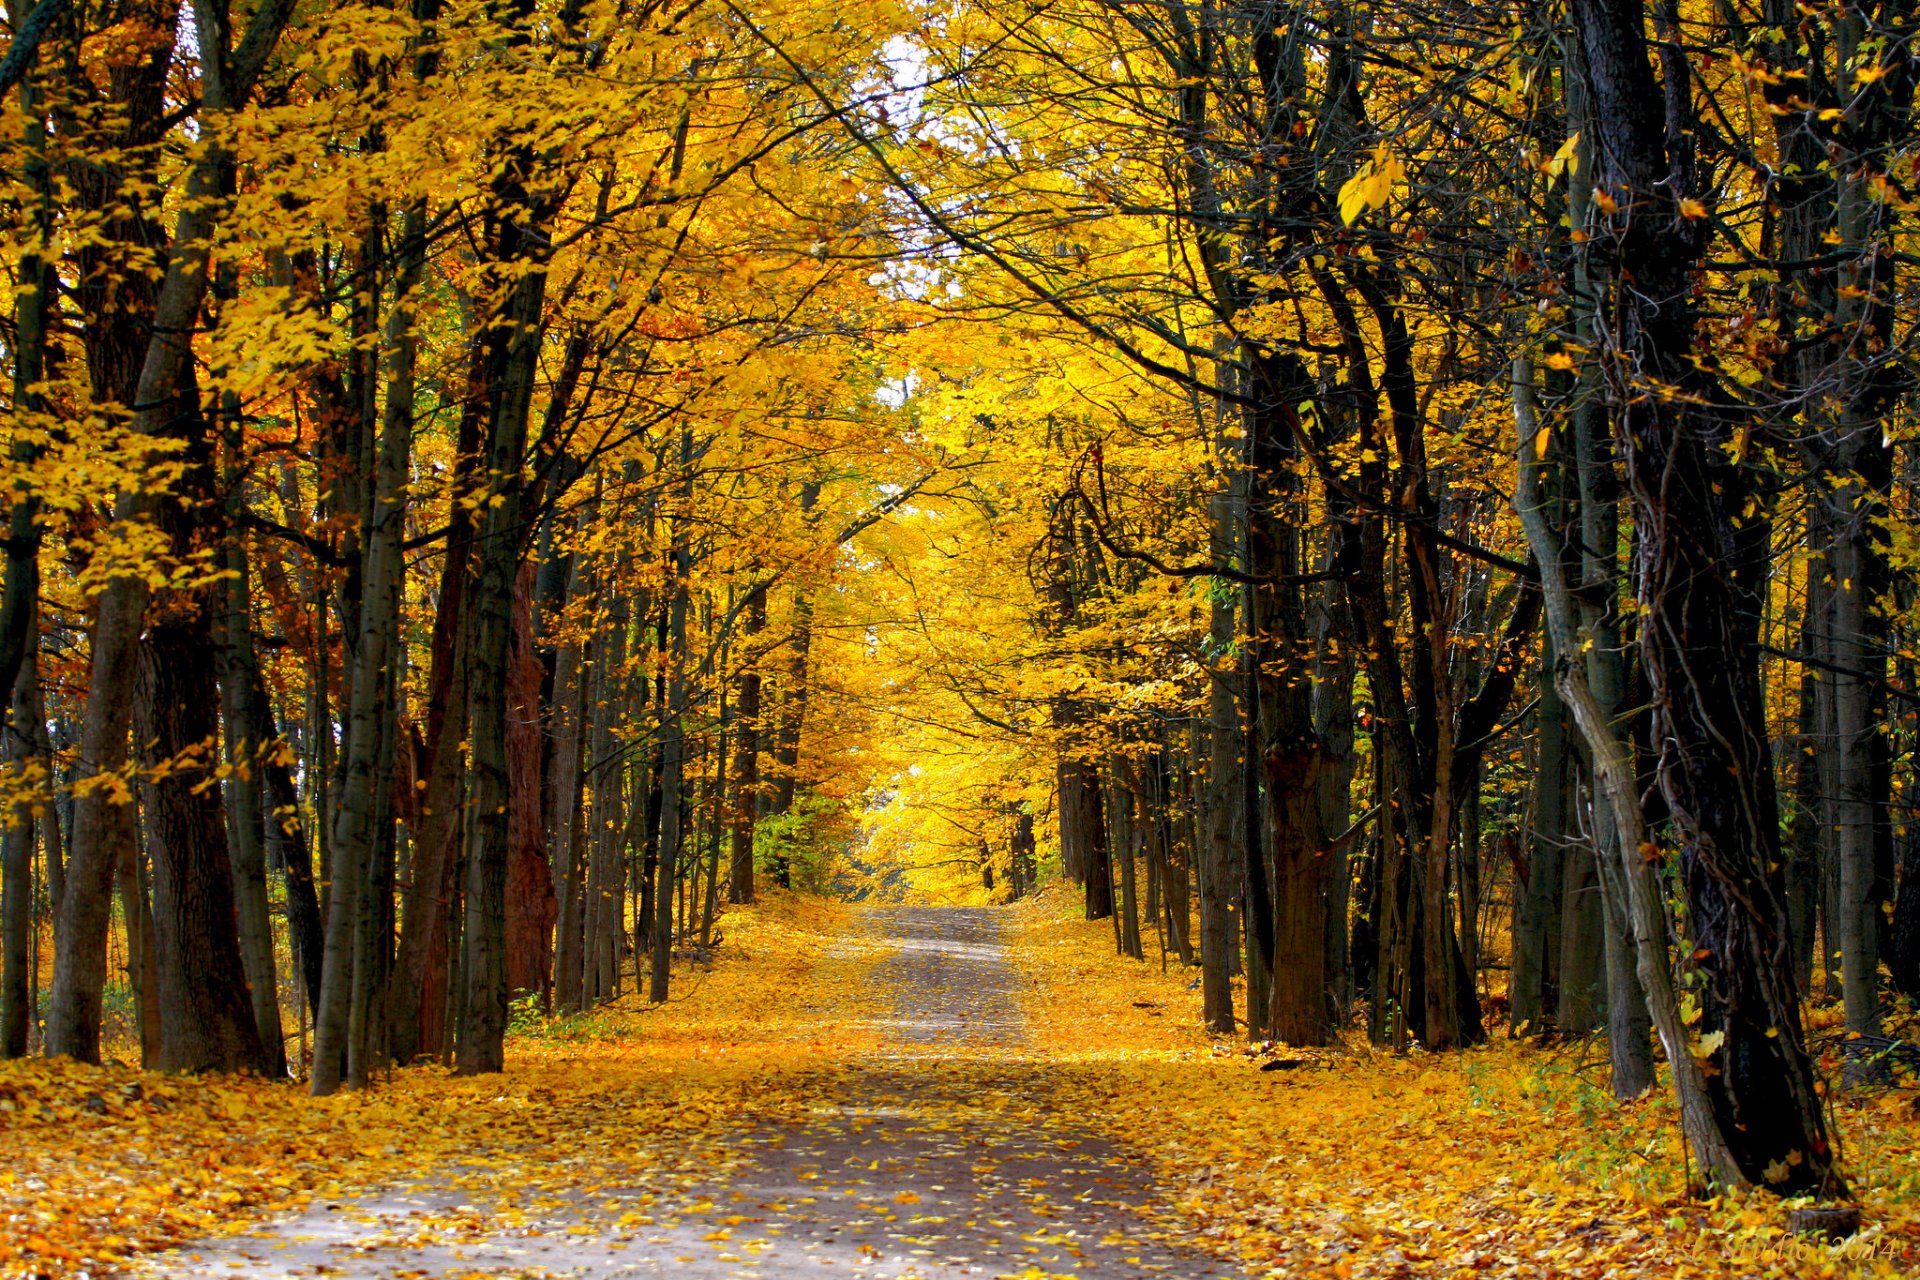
[(531, 905), (673, 755), (136, 915), (206, 1013), (1125, 851), (1534, 979), (1615, 778), (521, 243), (227, 80), (1218, 882), (246, 813), (1583, 979), (746, 757), (565, 836), (606, 867), (287, 846), (17, 940), (418, 995), (1293, 758), (1698, 549), (361, 811), (20, 589)]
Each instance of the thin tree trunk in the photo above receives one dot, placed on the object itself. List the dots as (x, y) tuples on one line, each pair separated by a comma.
[(746, 758), (17, 940), (287, 846), (571, 678), (1533, 981), (1218, 883), (531, 905), (246, 815), (673, 747), (143, 959)]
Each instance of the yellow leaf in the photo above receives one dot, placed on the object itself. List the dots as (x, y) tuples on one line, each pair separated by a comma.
[(1567, 158)]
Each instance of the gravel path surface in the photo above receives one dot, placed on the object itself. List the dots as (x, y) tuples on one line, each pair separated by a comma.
[(938, 1159)]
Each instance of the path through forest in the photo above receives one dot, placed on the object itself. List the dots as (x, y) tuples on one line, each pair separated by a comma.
[(939, 1157)]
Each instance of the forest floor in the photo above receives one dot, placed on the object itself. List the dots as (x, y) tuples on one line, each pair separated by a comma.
[(892, 1092)]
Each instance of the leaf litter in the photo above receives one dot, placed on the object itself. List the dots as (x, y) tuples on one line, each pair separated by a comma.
[(892, 1093)]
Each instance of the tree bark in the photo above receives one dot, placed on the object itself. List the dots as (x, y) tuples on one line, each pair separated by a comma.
[(673, 756), (207, 1019), (1698, 551), (227, 80), (484, 964), (1218, 883), (17, 940), (746, 757), (531, 906), (246, 812)]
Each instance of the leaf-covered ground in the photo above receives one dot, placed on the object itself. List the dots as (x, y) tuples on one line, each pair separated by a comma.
[(894, 1094), (1507, 1160), (103, 1164)]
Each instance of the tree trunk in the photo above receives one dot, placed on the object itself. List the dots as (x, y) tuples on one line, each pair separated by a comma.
[(246, 813), (1293, 758), (793, 702), (287, 846), (1219, 885), (206, 1013), (418, 994), (143, 958), (1698, 549), (73, 1015), (530, 898), (566, 837), (17, 939), (1125, 849), (488, 837), (1534, 979), (673, 749), (1611, 753), (746, 757)]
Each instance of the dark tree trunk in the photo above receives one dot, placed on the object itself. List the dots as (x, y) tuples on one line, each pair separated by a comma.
[(530, 898), (136, 916), (1698, 551), (1292, 756), (673, 760), (246, 792), (746, 757), (566, 838), (206, 1013), (417, 998), (488, 837), (1219, 883), (1083, 827), (1903, 938), (287, 846), (1534, 978), (605, 866), (22, 744)]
